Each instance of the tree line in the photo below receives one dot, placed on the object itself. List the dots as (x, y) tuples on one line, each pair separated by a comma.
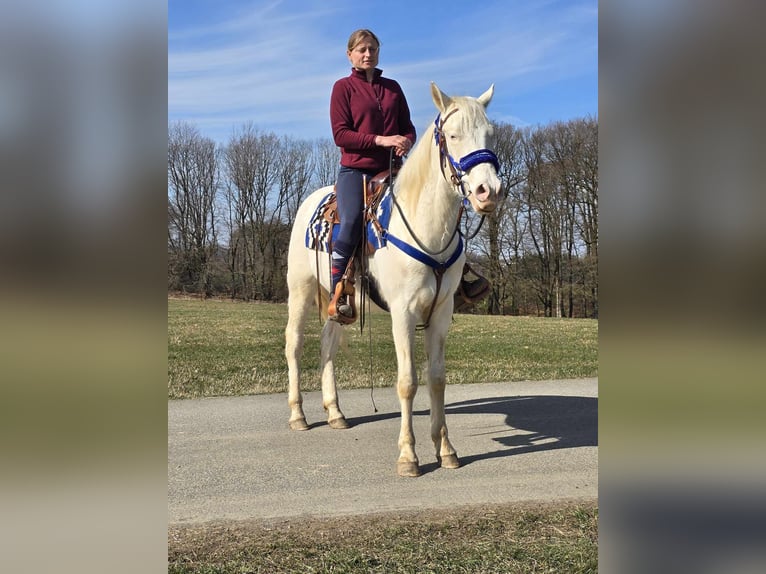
[(231, 207)]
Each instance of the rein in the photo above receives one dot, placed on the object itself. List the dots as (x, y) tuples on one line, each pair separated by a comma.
[(415, 237), (470, 236)]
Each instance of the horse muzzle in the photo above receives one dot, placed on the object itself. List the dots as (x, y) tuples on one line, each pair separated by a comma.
[(484, 199)]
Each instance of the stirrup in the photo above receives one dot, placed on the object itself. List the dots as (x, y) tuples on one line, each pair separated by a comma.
[(342, 307), (470, 292)]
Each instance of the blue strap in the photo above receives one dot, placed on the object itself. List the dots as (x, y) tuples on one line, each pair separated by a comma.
[(424, 257), (477, 157)]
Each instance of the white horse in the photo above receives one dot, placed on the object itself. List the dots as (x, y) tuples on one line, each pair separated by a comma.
[(429, 191)]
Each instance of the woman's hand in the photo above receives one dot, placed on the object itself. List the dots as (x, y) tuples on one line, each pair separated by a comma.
[(400, 144)]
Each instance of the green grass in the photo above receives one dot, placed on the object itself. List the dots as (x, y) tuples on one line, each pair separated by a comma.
[(547, 538), (220, 348)]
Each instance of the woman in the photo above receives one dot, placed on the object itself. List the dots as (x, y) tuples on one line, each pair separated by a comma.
[(369, 116)]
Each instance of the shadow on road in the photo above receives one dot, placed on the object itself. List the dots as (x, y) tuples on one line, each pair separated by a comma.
[(532, 424)]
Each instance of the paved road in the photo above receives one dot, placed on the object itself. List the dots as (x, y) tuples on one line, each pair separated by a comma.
[(235, 458)]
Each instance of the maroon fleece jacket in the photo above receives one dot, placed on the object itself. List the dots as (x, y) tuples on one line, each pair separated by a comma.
[(359, 111)]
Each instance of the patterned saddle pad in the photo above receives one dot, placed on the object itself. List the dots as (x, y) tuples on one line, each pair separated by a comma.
[(321, 233)]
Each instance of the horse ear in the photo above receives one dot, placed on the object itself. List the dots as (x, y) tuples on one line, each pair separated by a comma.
[(485, 98), (441, 99)]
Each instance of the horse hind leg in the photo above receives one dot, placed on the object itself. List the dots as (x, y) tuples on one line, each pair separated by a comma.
[(298, 306), (331, 335)]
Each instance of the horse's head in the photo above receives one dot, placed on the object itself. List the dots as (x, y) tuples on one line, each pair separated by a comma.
[(463, 133)]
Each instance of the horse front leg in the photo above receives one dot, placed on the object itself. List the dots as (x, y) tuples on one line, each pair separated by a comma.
[(406, 387), (435, 338), (331, 334)]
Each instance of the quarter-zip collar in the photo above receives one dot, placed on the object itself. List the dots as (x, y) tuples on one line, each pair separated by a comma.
[(361, 75)]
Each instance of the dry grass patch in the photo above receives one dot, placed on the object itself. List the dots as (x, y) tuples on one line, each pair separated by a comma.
[(527, 538)]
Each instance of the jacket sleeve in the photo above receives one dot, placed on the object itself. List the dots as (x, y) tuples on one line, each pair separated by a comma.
[(342, 122)]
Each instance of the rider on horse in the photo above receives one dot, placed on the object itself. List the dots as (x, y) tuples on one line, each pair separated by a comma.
[(370, 118)]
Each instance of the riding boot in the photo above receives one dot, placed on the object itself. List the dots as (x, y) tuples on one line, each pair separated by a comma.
[(470, 292), (341, 307)]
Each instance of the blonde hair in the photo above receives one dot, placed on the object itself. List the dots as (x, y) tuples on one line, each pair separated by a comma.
[(360, 35)]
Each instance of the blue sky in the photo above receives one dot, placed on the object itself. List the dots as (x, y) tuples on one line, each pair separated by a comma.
[(273, 62)]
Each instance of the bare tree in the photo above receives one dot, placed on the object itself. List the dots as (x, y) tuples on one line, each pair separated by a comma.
[(192, 185), (546, 214), (253, 161), (574, 152), (565, 144), (326, 163), (587, 203), (560, 198), (539, 248), (267, 178), (297, 171), (295, 166), (493, 241), (240, 167)]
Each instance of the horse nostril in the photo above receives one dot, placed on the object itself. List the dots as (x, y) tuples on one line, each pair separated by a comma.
[(482, 193)]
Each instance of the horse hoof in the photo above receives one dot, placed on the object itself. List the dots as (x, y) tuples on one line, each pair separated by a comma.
[(299, 424), (409, 469), (339, 423), (449, 461)]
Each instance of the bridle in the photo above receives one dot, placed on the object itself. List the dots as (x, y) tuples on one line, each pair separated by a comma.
[(459, 168)]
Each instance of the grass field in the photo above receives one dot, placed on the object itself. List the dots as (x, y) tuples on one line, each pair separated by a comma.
[(497, 539), (218, 348)]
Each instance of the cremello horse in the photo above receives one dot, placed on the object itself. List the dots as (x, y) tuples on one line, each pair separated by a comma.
[(429, 190)]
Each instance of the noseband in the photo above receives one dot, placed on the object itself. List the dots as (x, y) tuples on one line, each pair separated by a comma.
[(459, 168)]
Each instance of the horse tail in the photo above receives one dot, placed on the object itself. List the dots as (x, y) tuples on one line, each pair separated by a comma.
[(322, 299)]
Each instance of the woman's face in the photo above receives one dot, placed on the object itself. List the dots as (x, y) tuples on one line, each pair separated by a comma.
[(364, 56)]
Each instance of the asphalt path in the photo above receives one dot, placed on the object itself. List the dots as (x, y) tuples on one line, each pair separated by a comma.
[(234, 458)]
